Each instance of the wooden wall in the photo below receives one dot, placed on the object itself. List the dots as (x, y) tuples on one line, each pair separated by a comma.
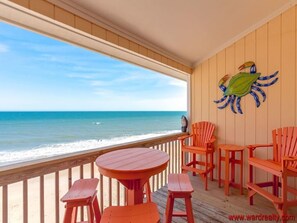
[(272, 47)]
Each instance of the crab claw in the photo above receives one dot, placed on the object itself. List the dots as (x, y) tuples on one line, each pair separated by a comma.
[(223, 79), (246, 65)]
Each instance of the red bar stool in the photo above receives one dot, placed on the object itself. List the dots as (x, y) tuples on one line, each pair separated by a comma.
[(231, 150), (179, 186), (82, 193), (139, 213)]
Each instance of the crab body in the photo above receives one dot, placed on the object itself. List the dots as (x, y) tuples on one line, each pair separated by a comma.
[(242, 84)]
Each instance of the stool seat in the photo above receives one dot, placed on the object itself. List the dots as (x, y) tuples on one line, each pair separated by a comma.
[(179, 183), (144, 213), (179, 186), (82, 193), (81, 190)]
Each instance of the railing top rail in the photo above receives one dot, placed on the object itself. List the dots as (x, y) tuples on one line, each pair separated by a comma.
[(26, 170)]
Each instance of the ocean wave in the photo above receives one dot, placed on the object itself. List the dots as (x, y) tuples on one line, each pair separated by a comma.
[(44, 151)]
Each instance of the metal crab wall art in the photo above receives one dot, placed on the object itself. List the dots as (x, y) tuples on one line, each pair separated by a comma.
[(242, 84)]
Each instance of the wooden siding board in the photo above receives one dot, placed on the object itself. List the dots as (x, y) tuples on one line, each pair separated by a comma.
[(64, 16), (213, 96), (288, 99), (83, 24), (143, 50), (158, 57), (274, 64), (150, 54), (213, 80), (42, 7), (205, 91), (288, 87), (123, 42), (98, 31), (230, 116), (221, 63), (164, 60), (133, 46), (261, 112), (240, 119), (250, 109), (24, 3), (112, 37), (197, 92)]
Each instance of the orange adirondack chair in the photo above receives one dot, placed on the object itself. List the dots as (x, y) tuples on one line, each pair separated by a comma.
[(282, 166), (201, 143)]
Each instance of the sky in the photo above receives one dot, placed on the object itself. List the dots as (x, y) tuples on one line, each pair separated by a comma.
[(38, 73)]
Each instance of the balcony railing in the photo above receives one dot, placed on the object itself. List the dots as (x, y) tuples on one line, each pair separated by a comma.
[(31, 191)]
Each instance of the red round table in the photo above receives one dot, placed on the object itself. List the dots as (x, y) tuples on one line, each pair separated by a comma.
[(133, 168)]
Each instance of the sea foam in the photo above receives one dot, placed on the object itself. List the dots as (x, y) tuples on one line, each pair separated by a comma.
[(10, 157)]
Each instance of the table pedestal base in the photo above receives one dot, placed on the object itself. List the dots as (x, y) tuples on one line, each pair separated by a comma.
[(134, 190)]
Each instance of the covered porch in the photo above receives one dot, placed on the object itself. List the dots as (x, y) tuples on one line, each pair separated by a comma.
[(31, 192)]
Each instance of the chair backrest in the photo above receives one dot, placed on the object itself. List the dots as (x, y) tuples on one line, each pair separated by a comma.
[(202, 133), (284, 143)]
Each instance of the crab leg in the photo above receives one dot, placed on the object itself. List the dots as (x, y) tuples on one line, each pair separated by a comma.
[(238, 105), (221, 100), (232, 103), (225, 105), (260, 91), (266, 85), (256, 98), (268, 77)]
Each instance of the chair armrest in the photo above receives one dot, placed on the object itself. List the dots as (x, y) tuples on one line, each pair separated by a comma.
[(184, 137), (212, 140), (290, 158), (286, 160), (253, 147)]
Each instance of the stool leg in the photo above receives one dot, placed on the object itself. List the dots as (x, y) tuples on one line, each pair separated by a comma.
[(189, 209), (90, 213), (212, 166), (227, 173), (233, 166), (169, 209), (70, 215), (148, 192), (206, 169), (220, 161), (241, 172), (251, 181), (194, 162), (96, 210)]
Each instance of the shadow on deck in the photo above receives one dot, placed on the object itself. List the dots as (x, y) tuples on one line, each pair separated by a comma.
[(214, 206)]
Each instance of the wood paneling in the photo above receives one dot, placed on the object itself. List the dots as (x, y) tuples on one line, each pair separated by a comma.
[(143, 50), (57, 13), (134, 46), (24, 3), (43, 7), (112, 37), (98, 31), (123, 42), (273, 48), (64, 16), (83, 25)]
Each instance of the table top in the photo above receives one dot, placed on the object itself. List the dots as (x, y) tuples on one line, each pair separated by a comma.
[(134, 163), (231, 147)]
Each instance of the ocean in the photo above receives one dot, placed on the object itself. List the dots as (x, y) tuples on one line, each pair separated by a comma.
[(33, 135)]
